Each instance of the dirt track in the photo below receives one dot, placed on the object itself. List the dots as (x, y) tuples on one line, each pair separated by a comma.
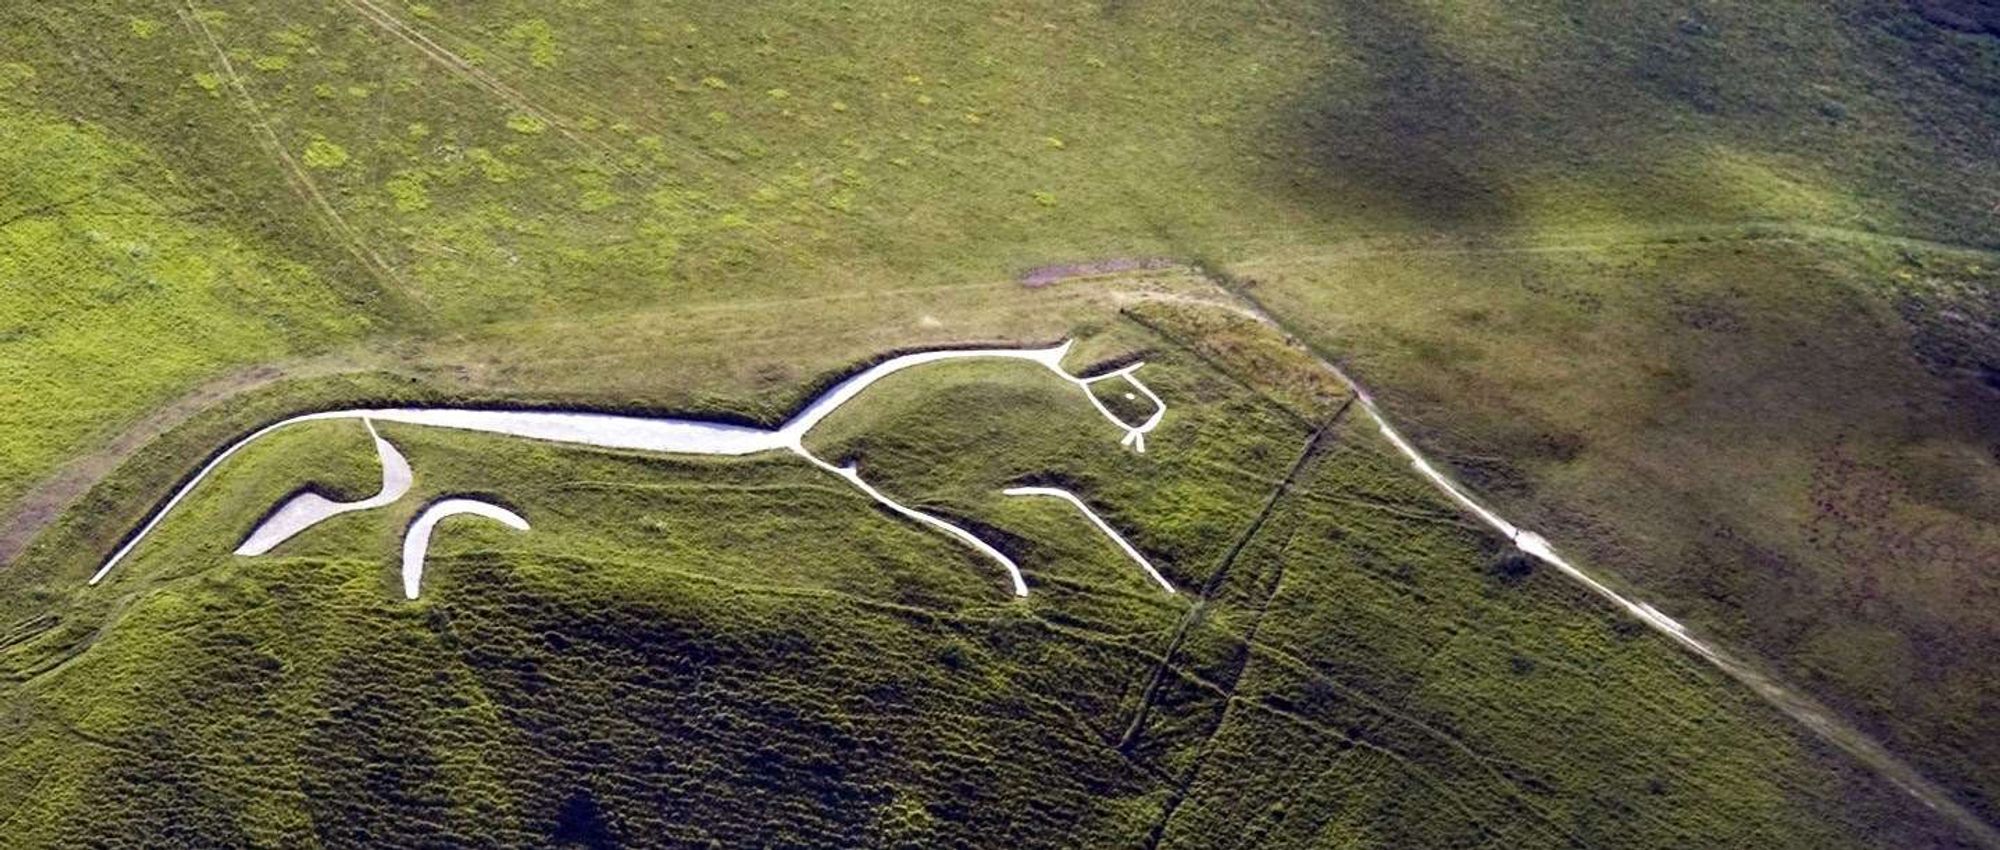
[(42, 502)]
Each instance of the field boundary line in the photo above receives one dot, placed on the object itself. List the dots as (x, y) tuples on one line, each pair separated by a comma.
[(1198, 611)]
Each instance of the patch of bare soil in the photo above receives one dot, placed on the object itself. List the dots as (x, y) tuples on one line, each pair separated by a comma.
[(1041, 276), (45, 501)]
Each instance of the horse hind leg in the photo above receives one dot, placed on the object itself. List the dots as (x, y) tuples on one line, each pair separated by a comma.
[(853, 476), (306, 510), (1102, 526)]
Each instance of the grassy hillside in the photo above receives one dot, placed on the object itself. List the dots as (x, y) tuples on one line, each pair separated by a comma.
[(1701, 289), (423, 169), (494, 159), (747, 652), (1801, 459), (119, 296)]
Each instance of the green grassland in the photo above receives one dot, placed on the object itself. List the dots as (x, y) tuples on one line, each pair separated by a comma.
[(747, 652), (106, 272), (1702, 289), (1794, 463)]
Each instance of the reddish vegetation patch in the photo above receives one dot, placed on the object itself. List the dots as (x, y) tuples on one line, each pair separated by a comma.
[(1041, 276), (1870, 522)]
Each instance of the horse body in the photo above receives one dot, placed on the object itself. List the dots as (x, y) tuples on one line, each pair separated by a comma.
[(619, 431)]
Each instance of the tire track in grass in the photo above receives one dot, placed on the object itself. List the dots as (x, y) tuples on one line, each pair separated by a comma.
[(296, 175), (464, 67), (459, 64), (1578, 240)]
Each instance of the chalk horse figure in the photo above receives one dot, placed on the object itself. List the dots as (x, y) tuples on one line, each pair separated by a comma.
[(668, 436)]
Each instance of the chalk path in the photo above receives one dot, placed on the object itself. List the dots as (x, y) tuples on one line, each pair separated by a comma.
[(1794, 703), (668, 436)]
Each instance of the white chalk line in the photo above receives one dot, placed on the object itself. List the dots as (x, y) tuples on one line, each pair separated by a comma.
[(853, 476), (182, 493), (309, 509), (417, 541), (1134, 436), (1130, 550)]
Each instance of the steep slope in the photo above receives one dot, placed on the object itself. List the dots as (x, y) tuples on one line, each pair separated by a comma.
[(1800, 462), (1701, 289), (747, 653)]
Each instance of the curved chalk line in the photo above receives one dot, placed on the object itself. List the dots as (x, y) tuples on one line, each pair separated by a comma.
[(309, 509), (417, 541), (853, 476), (182, 493)]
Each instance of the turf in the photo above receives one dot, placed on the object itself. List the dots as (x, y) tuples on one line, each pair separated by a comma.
[(748, 652), (1702, 290), (1801, 464), (118, 297)]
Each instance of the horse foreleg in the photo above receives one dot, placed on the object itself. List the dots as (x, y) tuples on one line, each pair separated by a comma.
[(853, 476), (417, 541)]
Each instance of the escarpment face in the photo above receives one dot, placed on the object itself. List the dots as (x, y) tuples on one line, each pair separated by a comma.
[(1975, 16)]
